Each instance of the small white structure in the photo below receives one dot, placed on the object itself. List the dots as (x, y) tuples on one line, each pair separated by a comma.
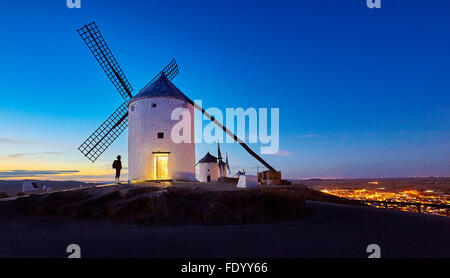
[(247, 182), (238, 174), (208, 169), (29, 186), (152, 154)]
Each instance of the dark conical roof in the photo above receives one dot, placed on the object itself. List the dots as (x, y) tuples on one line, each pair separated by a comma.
[(239, 173), (162, 87), (208, 158)]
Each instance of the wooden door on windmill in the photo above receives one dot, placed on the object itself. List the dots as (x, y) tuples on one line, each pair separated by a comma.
[(161, 167)]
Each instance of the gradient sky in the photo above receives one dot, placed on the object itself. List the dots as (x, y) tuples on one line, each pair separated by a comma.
[(361, 92)]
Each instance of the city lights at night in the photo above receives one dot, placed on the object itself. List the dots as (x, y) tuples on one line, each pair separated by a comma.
[(404, 196)]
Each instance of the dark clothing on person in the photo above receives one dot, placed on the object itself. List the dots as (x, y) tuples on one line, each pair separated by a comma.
[(117, 164)]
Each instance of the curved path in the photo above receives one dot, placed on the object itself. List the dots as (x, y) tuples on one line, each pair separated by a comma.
[(331, 231)]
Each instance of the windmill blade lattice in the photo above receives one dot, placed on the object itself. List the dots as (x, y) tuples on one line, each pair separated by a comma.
[(100, 140), (103, 137), (171, 70), (97, 45)]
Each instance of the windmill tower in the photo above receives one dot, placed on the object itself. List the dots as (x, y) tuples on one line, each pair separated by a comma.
[(208, 169), (211, 168), (152, 154)]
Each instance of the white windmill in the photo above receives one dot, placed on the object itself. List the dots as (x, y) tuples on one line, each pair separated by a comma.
[(152, 153), (208, 169)]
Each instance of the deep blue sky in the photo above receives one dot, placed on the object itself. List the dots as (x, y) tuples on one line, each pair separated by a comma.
[(361, 92)]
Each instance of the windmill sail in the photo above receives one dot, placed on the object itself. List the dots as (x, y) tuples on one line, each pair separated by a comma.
[(108, 132), (226, 162), (97, 45), (227, 131), (219, 154), (170, 71), (100, 140)]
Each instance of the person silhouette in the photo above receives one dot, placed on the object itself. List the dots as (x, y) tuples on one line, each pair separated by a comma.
[(117, 164)]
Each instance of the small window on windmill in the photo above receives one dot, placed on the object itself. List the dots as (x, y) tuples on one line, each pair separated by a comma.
[(160, 135), (153, 105), (133, 107)]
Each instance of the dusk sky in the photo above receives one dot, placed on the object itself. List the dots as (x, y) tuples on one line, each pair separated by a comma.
[(361, 92)]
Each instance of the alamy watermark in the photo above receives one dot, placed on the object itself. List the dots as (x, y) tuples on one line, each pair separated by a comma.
[(374, 4), (73, 4), (259, 128), (74, 251), (374, 250)]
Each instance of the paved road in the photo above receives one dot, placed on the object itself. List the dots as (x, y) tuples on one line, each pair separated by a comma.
[(332, 231)]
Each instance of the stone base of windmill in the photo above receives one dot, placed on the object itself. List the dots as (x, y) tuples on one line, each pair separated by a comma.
[(147, 204)]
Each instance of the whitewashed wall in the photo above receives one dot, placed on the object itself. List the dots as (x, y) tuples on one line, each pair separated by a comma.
[(144, 123), (203, 171)]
